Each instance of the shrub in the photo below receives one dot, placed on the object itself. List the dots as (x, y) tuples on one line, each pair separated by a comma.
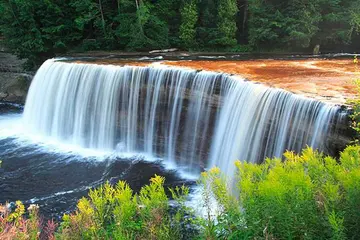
[(13, 224), (307, 196), (355, 103), (116, 212)]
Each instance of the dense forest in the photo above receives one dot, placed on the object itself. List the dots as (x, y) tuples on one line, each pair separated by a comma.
[(37, 29)]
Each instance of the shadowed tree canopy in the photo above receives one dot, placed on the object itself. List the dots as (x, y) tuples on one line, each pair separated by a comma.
[(36, 29)]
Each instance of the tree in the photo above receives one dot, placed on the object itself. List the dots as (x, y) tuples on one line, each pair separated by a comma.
[(167, 11), (36, 30), (189, 17), (265, 24), (206, 27), (305, 17), (298, 24), (290, 23), (338, 23), (226, 23), (138, 28)]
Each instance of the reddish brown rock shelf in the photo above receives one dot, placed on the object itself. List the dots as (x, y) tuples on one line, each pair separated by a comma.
[(326, 80)]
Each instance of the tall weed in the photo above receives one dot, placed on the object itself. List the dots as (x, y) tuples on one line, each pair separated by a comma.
[(116, 212), (306, 196)]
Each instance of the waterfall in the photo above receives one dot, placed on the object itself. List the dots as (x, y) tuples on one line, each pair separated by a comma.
[(188, 118)]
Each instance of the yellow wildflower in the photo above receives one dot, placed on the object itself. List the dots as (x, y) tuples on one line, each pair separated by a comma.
[(215, 170), (238, 163)]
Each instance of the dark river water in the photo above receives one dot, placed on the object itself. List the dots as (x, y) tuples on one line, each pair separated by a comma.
[(56, 176)]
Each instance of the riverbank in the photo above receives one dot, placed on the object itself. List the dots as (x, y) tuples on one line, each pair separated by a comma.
[(186, 55)]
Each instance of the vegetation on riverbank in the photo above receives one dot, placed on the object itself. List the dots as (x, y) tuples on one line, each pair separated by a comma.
[(307, 196), (37, 30), (355, 103)]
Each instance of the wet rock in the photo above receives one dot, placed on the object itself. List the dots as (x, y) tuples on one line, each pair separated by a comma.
[(14, 81)]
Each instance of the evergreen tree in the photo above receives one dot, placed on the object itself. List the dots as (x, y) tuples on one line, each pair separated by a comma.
[(206, 28), (305, 17), (226, 24), (167, 11), (36, 30), (189, 18), (339, 23)]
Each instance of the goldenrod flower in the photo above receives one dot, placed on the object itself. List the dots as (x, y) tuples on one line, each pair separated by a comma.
[(215, 170)]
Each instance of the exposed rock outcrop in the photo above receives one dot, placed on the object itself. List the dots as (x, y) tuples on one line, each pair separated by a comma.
[(14, 81)]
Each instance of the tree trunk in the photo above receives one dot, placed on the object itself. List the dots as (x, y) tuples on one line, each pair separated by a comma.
[(118, 3), (102, 17), (138, 16), (245, 15)]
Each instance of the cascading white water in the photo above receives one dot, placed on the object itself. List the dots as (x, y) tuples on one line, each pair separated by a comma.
[(189, 118), (258, 122)]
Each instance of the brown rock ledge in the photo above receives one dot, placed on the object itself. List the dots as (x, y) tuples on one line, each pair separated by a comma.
[(327, 80)]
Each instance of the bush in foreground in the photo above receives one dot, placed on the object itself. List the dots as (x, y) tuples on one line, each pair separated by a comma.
[(13, 224), (117, 213), (307, 196)]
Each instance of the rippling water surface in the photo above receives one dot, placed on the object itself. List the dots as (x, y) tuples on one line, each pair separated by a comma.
[(55, 176)]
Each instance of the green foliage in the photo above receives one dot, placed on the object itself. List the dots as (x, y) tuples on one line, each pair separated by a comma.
[(188, 24), (355, 103), (241, 48), (37, 30), (16, 216), (139, 29), (117, 213), (229, 218), (226, 23), (299, 24), (307, 196), (354, 14), (291, 23), (339, 21)]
